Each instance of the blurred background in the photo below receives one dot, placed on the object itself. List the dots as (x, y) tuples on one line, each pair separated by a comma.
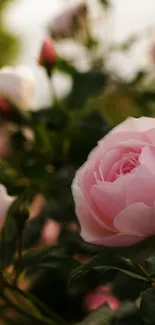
[(121, 20), (93, 63)]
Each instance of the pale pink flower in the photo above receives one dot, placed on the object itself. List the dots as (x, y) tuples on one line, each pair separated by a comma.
[(5, 203), (100, 296), (69, 21), (114, 191), (17, 85)]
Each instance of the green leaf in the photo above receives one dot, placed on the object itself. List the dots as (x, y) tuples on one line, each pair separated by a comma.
[(47, 258), (105, 3), (31, 304), (53, 118), (32, 231), (65, 67), (85, 85), (58, 263), (33, 257), (95, 127), (106, 260), (8, 242), (97, 268), (126, 309), (118, 103), (147, 307), (23, 306), (137, 253), (150, 263), (105, 268)]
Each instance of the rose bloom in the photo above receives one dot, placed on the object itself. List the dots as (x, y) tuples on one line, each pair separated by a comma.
[(17, 85), (5, 203), (114, 191), (69, 21), (100, 296)]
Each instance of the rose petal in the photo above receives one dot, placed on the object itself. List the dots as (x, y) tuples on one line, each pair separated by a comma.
[(132, 124), (90, 228), (96, 299), (110, 198), (137, 220), (18, 85), (141, 187), (147, 158), (5, 203), (118, 240)]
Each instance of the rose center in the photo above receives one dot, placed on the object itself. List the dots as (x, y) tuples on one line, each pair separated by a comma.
[(125, 166)]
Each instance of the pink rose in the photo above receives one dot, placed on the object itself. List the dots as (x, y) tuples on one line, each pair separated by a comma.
[(67, 23), (114, 191), (5, 203), (100, 296), (17, 86)]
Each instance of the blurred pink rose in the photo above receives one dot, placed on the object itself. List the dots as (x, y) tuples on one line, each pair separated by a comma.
[(51, 232), (114, 191), (17, 86), (100, 296), (5, 203), (69, 21), (48, 53)]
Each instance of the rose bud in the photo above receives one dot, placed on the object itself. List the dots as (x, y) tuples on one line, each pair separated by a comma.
[(48, 55), (17, 86), (69, 22), (100, 296), (114, 191)]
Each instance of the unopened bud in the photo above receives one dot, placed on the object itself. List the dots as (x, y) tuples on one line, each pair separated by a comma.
[(48, 54)]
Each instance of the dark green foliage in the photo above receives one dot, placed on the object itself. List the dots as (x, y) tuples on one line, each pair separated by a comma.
[(85, 85), (147, 310)]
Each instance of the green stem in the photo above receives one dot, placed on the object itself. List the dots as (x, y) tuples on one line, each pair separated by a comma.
[(144, 271), (19, 255), (26, 314), (37, 302), (20, 244), (54, 94)]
